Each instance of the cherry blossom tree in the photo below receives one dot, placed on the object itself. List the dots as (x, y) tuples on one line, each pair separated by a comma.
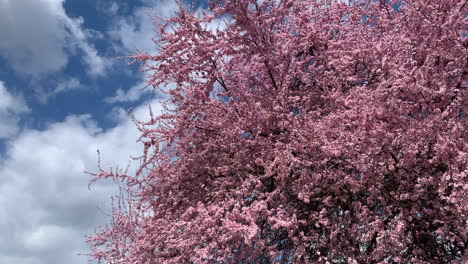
[(310, 131)]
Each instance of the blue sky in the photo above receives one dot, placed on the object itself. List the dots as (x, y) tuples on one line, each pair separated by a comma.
[(63, 95)]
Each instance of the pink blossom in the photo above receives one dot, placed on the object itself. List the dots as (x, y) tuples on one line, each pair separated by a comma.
[(343, 137)]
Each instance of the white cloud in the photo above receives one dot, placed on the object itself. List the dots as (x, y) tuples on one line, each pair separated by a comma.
[(137, 31), (96, 64), (11, 107), (48, 237), (136, 92), (45, 205), (68, 84), (39, 37), (64, 85), (131, 95), (108, 8)]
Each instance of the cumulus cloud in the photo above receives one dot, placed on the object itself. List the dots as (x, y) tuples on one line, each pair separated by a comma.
[(64, 85), (107, 7), (11, 107), (136, 92), (39, 37), (130, 95), (137, 31), (68, 84), (46, 208)]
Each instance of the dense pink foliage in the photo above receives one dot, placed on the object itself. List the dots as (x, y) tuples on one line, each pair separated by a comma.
[(311, 131)]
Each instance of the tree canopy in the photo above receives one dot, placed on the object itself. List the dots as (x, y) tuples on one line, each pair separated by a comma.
[(310, 131)]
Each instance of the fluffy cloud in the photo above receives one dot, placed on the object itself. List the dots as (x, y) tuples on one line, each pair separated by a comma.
[(39, 37), (11, 107), (107, 7), (131, 95), (138, 91), (64, 85), (137, 31), (68, 84), (46, 208)]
